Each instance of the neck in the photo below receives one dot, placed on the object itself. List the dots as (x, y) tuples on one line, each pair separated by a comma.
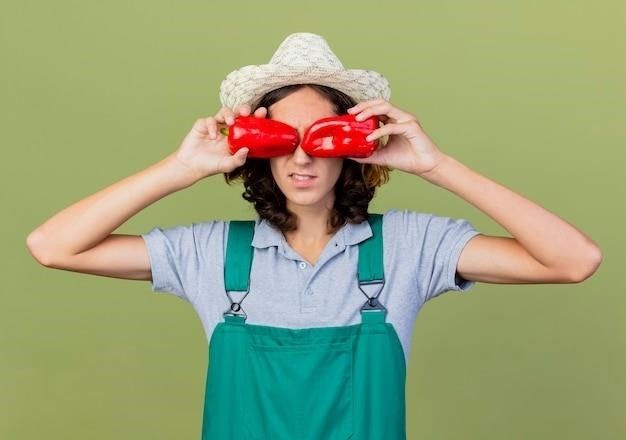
[(312, 225)]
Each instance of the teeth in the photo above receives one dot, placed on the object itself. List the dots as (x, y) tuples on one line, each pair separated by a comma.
[(301, 177)]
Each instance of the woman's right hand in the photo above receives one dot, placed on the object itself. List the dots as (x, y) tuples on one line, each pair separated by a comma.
[(205, 152)]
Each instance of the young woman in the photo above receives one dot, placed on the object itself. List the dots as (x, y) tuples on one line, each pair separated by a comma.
[(309, 308)]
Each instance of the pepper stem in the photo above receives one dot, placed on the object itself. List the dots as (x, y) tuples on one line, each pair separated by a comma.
[(224, 131)]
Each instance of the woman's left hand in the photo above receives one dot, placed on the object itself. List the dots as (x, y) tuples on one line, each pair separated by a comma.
[(408, 148)]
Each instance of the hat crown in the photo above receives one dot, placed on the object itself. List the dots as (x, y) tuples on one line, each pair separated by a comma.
[(304, 50), (302, 58)]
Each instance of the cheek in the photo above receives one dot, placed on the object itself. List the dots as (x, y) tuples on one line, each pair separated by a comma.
[(274, 168), (336, 170), (277, 171)]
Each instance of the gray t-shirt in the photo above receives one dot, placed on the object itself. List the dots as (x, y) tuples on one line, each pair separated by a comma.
[(421, 251)]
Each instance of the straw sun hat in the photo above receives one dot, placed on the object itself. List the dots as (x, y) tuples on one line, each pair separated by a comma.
[(301, 58)]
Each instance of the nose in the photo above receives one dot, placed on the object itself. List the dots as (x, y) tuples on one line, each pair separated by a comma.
[(300, 156)]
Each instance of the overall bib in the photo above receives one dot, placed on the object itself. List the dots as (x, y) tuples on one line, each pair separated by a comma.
[(324, 383)]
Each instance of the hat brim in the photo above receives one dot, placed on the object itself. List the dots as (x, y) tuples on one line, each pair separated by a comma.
[(248, 84)]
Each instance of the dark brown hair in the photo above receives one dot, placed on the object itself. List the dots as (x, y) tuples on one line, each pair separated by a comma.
[(354, 189)]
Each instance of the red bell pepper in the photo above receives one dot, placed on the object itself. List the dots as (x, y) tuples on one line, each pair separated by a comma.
[(347, 137), (263, 137)]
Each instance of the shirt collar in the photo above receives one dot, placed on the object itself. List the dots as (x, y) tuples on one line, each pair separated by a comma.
[(265, 235)]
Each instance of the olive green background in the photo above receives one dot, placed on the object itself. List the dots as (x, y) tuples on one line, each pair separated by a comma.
[(531, 94)]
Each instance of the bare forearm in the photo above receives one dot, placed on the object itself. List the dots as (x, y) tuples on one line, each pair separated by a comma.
[(88, 221), (548, 238)]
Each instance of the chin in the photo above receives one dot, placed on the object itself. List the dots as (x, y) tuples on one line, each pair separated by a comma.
[(311, 199), (303, 200)]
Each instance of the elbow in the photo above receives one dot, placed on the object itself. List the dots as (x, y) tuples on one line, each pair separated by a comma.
[(589, 265), (35, 243)]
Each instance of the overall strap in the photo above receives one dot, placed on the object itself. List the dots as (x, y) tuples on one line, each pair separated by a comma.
[(239, 252), (371, 270), (238, 260), (371, 253)]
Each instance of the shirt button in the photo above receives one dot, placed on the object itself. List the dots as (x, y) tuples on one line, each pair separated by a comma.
[(302, 265)]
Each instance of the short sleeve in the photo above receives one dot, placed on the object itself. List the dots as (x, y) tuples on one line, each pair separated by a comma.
[(175, 259), (437, 243)]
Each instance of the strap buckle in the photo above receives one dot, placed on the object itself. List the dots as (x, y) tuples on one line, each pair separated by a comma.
[(372, 302), (235, 308)]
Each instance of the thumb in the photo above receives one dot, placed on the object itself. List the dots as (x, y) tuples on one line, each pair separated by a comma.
[(200, 126), (240, 156)]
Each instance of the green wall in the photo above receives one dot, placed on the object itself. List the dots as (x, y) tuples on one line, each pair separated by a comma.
[(530, 94)]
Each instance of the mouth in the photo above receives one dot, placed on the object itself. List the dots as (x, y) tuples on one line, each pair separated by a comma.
[(301, 177), (302, 180)]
